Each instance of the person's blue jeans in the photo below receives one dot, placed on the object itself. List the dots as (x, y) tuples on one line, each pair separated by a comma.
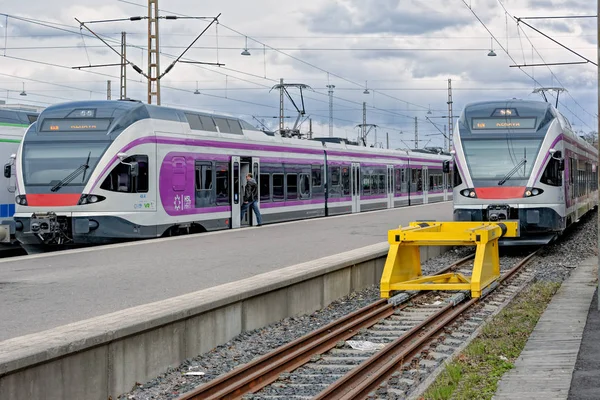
[(254, 206)]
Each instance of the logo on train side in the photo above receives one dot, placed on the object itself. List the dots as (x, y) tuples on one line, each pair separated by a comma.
[(177, 202), (181, 202)]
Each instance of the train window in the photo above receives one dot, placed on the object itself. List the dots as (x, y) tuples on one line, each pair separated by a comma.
[(234, 127), (278, 191), (207, 123), (304, 186), (317, 175), (204, 184), (419, 180), (120, 179), (333, 183), (204, 176), (382, 188), (552, 176), (335, 176), (346, 181), (456, 176), (222, 124), (366, 184), (194, 121), (547, 118), (32, 118), (374, 184), (265, 188), (222, 183), (398, 175), (292, 186), (236, 182), (572, 177)]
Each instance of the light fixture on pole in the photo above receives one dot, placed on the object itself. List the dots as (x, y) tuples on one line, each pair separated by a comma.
[(366, 90), (246, 52), (429, 110), (23, 92), (491, 53), (196, 91)]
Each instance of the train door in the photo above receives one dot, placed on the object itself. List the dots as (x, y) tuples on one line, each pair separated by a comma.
[(390, 185), (236, 203), (425, 184), (256, 174), (356, 185)]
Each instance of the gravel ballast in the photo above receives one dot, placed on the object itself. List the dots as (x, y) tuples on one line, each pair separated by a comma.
[(554, 264)]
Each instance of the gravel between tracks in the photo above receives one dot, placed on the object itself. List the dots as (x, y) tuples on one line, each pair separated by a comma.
[(554, 264)]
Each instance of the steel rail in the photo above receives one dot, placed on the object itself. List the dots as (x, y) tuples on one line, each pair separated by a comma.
[(358, 383), (266, 369)]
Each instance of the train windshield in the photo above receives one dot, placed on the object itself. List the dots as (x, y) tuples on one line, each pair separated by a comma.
[(494, 159), (47, 164)]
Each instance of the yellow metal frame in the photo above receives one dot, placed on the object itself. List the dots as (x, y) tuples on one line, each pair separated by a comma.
[(402, 269)]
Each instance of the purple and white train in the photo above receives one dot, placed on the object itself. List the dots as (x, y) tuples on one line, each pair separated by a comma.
[(107, 171), (520, 160)]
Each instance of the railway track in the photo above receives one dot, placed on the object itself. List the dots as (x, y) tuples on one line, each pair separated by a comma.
[(408, 337)]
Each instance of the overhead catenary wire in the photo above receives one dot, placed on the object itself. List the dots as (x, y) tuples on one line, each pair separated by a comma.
[(549, 69), (512, 58)]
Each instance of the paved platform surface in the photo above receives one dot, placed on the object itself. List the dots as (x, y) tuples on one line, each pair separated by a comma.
[(544, 370), (585, 384), (40, 292)]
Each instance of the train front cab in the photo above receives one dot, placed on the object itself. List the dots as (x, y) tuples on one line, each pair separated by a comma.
[(539, 208)]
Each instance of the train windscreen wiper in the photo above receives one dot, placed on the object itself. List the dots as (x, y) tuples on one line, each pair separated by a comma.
[(73, 175), (512, 171)]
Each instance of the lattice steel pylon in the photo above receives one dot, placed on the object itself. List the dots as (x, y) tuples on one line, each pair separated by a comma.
[(153, 53), (123, 83), (330, 93), (450, 116)]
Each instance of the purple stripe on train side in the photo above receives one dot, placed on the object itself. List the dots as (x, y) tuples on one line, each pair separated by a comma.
[(246, 146)]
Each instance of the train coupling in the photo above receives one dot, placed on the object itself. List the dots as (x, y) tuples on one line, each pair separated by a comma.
[(44, 223)]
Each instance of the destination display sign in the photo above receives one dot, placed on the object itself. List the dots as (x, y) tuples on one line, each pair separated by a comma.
[(75, 124), (503, 123)]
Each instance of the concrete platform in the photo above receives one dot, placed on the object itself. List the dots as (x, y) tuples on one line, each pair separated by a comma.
[(102, 357), (545, 367), (44, 291)]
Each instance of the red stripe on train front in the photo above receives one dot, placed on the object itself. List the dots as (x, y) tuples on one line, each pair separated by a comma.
[(499, 192), (52, 200)]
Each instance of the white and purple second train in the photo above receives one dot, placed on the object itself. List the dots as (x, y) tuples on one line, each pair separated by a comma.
[(107, 171)]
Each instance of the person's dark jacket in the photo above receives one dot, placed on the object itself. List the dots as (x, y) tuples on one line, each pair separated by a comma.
[(251, 191)]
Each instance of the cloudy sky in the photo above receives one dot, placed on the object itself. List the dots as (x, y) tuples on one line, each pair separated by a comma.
[(402, 51)]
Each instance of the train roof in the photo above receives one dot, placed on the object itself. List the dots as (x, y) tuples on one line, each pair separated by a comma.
[(114, 108), (127, 112), (16, 117), (528, 106)]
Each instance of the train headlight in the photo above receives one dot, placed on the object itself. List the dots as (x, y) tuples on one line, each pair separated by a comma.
[(531, 192), (21, 200), (90, 199), (468, 193)]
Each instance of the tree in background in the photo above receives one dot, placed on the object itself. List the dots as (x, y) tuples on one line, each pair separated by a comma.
[(590, 137)]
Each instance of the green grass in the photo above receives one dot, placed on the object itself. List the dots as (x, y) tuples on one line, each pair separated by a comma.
[(475, 373)]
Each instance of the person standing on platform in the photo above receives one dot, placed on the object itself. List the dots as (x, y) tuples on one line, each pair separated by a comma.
[(251, 198)]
